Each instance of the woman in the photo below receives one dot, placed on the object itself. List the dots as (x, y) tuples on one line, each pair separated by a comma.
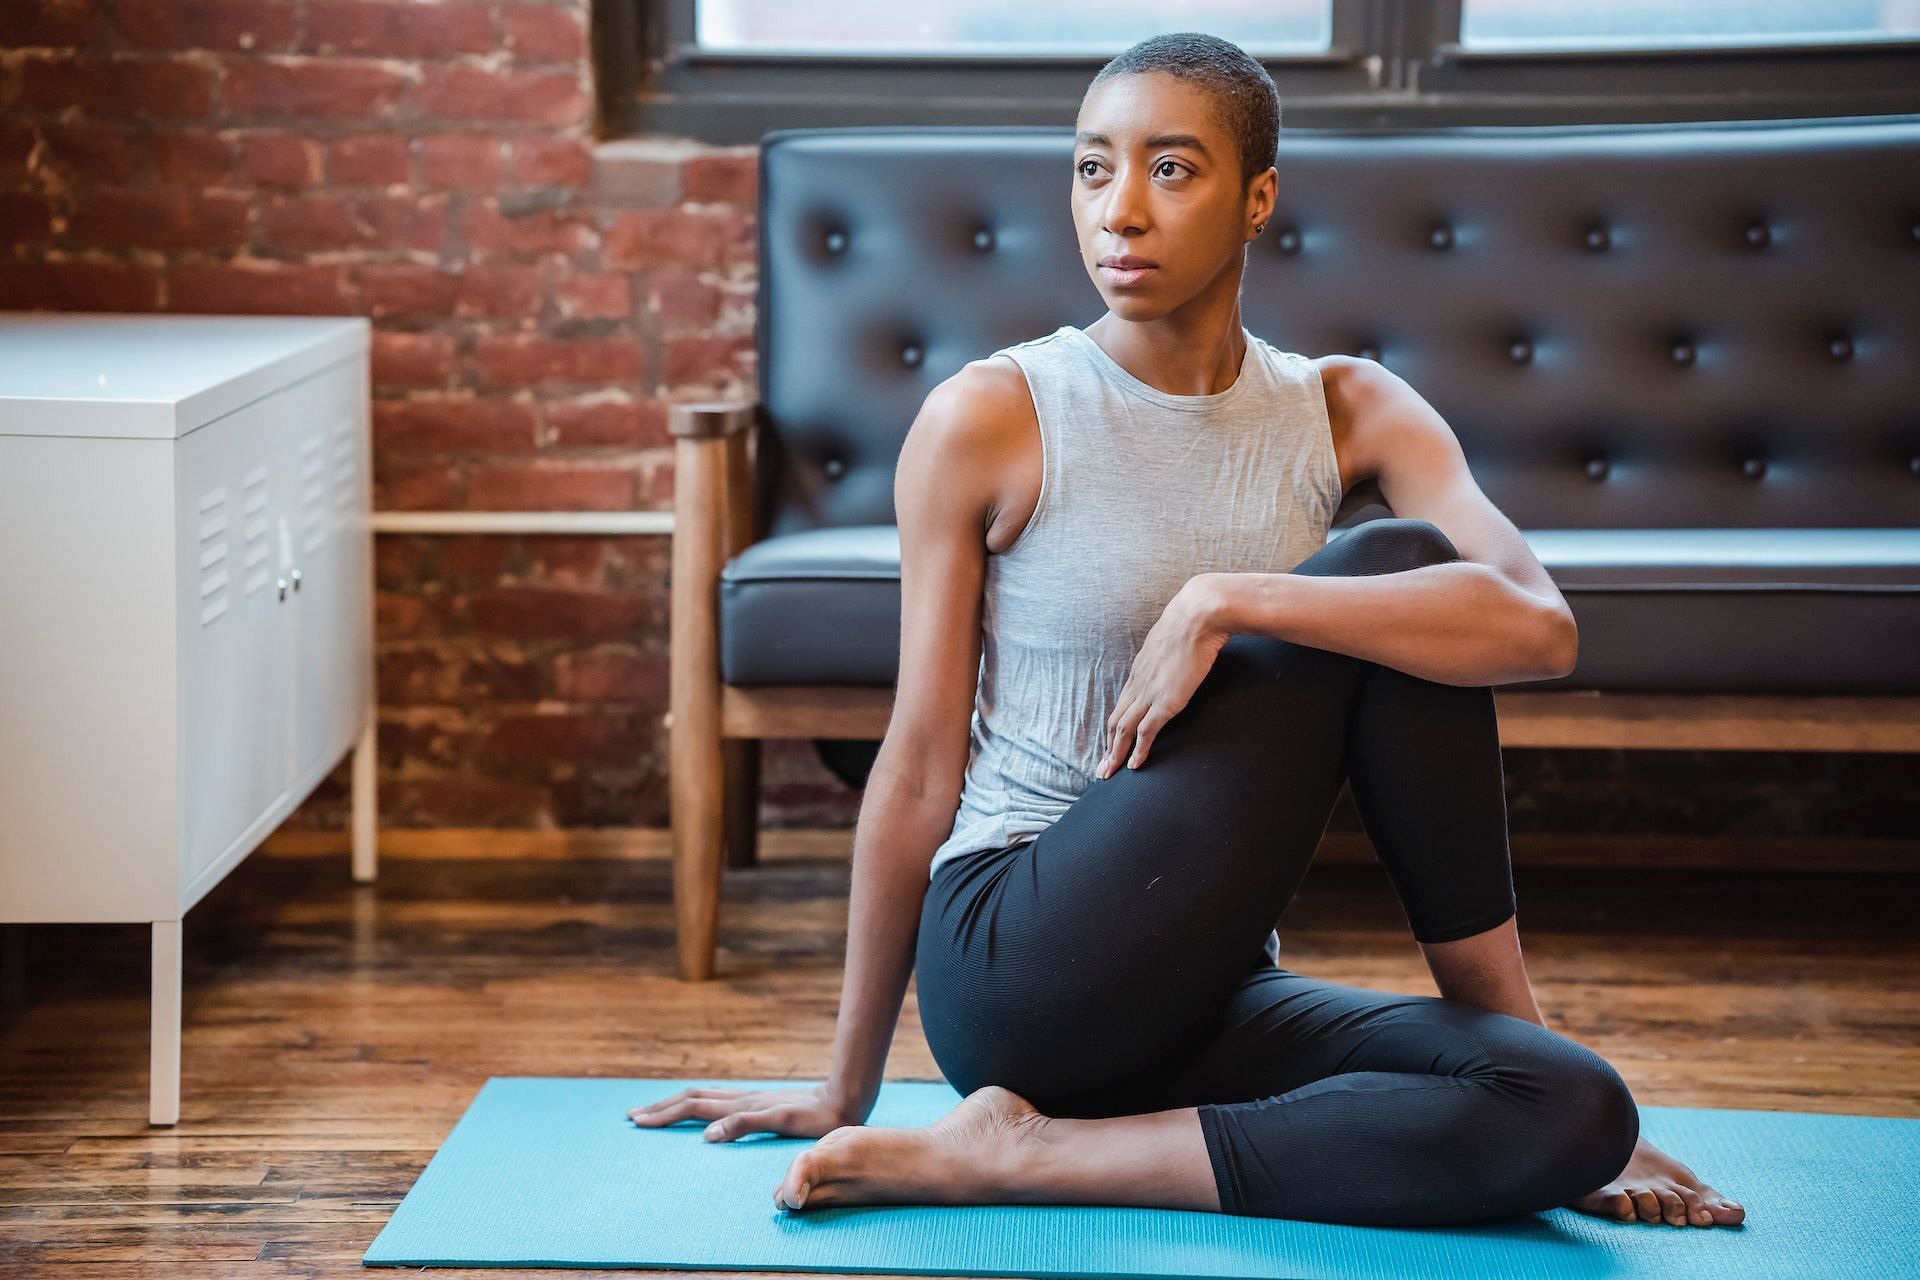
[(1179, 671)]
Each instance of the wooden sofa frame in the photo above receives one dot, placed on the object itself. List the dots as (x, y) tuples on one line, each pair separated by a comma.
[(715, 728)]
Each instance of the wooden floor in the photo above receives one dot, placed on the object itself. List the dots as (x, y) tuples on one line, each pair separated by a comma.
[(335, 1033)]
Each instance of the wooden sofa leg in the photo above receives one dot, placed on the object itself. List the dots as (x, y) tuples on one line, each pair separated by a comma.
[(743, 801), (697, 785)]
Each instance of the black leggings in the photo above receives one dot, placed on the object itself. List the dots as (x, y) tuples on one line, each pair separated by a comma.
[(1115, 964)]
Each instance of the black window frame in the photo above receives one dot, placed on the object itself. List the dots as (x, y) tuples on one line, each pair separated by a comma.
[(1391, 64)]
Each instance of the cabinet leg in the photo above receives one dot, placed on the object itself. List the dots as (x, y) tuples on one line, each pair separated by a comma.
[(366, 813), (164, 1039)]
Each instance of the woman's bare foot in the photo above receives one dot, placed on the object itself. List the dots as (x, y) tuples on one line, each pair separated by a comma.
[(971, 1155), (1654, 1187)]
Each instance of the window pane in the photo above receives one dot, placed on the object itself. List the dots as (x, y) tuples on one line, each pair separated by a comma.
[(1096, 27), (1494, 24)]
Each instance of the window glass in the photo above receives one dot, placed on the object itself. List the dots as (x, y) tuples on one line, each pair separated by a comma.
[(1099, 27), (1573, 24)]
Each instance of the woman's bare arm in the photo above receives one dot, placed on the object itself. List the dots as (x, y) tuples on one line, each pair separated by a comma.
[(946, 489)]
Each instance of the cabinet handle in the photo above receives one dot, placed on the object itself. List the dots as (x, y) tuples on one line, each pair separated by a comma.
[(296, 579), (283, 588)]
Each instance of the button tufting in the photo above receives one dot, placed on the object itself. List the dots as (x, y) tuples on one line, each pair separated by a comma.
[(1683, 352), (1913, 229), (1598, 238), (1441, 237), (1288, 240), (911, 353), (834, 467), (1754, 467), (1758, 235), (836, 241), (1913, 464), (1840, 348), (1369, 352), (983, 239), (1520, 351), (1597, 469)]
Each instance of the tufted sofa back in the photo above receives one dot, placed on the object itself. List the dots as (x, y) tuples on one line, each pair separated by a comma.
[(1645, 326)]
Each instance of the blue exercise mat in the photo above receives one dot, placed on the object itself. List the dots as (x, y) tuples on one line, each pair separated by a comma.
[(545, 1171)]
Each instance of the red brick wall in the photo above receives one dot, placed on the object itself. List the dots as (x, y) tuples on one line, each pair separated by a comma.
[(536, 303), (537, 300)]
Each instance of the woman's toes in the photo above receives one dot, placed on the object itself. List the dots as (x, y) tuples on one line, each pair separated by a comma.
[(797, 1185), (1648, 1204), (1727, 1213), (1672, 1210)]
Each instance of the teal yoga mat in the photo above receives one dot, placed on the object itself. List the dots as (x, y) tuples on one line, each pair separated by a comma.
[(545, 1171)]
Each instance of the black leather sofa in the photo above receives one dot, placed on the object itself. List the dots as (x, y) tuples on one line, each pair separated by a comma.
[(1683, 359)]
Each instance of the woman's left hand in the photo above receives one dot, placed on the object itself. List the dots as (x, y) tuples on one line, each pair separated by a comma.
[(1173, 660)]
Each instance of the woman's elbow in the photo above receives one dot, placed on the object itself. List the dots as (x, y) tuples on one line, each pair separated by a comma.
[(1560, 641)]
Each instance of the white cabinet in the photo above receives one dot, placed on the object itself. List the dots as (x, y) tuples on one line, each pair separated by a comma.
[(186, 592)]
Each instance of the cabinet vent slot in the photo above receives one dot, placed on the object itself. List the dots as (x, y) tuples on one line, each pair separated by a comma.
[(313, 492), (213, 550), (254, 549), (346, 488)]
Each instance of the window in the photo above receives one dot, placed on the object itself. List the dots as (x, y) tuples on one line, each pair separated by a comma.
[(1650, 24), (916, 28), (727, 71)]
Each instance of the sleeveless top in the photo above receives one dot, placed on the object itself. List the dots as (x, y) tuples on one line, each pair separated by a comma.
[(1140, 490)]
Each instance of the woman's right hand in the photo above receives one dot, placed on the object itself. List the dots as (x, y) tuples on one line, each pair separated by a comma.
[(732, 1113)]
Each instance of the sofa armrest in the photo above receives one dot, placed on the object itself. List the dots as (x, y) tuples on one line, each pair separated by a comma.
[(710, 420)]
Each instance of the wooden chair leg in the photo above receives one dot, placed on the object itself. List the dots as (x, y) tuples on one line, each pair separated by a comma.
[(697, 788), (743, 801)]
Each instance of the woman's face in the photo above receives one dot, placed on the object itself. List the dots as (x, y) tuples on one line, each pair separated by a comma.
[(1157, 178)]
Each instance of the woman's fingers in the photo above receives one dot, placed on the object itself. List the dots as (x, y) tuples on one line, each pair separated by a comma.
[(683, 1107), (741, 1123)]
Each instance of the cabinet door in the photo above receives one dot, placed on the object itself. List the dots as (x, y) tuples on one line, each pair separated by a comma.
[(333, 607), (233, 489)]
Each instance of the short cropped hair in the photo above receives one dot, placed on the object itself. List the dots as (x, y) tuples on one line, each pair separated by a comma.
[(1244, 95)]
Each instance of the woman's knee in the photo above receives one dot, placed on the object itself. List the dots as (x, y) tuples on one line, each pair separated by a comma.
[(1391, 544), (1589, 1123)]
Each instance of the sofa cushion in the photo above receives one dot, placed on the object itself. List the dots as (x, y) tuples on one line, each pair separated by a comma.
[(1673, 610)]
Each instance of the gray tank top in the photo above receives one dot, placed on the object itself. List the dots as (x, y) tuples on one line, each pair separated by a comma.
[(1140, 491)]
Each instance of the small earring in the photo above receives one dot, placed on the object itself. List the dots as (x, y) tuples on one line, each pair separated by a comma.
[(1259, 227)]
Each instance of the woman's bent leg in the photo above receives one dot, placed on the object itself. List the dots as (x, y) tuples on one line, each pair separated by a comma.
[(1098, 954), (1339, 1104)]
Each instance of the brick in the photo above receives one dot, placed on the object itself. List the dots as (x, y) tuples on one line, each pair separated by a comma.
[(26, 217), (77, 284), (274, 158), (411, 291), (49, 24), (344, 87), (397, 560), (414, 486), (464, 799), (528, 360), (86, 149), (611, 674), (534, 231), (542, 33), (453, 424), (459, 160), (604, 419), (468, 561), (682, 299), (368, 160), (397, 614), (159, 219), (550, 486), (567, 560), (259, 286), (412, 359), (251, 26), (191, 159), (115, 87), (532, 612), (309, 223), (573, 737), (593, 297), (403, 29), (650, 237), (477, 93), (437, 672), (724, 178), (547, 161), (704, 358)]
